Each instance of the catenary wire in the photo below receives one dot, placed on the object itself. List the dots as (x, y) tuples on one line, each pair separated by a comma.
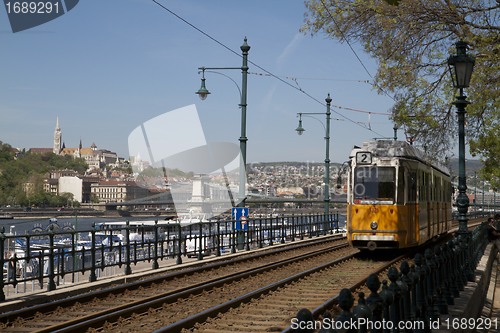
[(264, 70), (353, 51)]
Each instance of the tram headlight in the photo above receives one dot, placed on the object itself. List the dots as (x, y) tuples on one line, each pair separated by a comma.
[(374, 225)]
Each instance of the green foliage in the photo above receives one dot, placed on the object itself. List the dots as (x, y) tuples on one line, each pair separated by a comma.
[(491, 156), (31, 168), (6, 153), (411, 41)]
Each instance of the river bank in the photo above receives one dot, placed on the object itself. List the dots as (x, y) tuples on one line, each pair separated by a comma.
[(41, 214)]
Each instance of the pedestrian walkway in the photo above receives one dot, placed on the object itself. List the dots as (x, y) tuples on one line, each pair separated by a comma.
[(466, 314), (491, 307)]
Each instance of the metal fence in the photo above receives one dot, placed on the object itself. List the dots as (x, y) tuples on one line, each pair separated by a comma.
[(47, 258), (411, 299)]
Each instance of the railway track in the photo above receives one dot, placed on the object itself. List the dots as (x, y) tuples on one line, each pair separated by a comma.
[(260, 292), (271, 307), (95, 308), (261, 300)]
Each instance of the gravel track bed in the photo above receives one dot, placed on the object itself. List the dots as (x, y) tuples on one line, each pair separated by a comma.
[(273, 312), (78, 310), (170, 313)]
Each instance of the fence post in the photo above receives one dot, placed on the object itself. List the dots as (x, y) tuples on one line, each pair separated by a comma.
[(157, 241), (346, 301), (448, 273), (388, 300), (395, 288), (2, 262), (431, 284), (92, 276), (51, 284), (270, 233), (374, 301), (462, 251), (441, 303), (336, 222), (282, 232), (249, 233), (40, 269), (406, 285), (179, 246), (74, 240), (128, 269), (200, 242), (219, 240), (62, 270), (310, 218), (233, 236), (362, 311)]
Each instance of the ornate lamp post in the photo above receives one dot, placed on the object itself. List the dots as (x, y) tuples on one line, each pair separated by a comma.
[(300, 130), (461, 66), (203, 93)]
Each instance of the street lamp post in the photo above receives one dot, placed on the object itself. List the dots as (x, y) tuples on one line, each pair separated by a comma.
[(475, 194), (482, 201), (300, 130), (203, 93), (461, 66)]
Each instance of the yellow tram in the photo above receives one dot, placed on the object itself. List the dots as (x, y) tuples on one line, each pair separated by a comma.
[(396, 197)]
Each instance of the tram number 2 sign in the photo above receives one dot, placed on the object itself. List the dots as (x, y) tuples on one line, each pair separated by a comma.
[(363, 157)]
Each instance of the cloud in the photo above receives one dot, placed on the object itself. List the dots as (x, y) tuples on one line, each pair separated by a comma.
[(290, 48)]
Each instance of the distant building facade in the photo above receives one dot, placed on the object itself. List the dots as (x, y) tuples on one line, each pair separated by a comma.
[(71, 185), (118, 191), (95, 158), (88, 188)]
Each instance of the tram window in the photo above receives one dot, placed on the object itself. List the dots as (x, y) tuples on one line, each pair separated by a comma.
[(401, 186), (425, 187), (375, 183), (412, 189)]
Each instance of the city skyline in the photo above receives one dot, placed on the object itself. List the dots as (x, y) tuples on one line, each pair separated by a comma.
[(105, 73)]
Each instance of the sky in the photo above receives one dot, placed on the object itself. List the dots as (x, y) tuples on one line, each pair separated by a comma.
[(106, 67)]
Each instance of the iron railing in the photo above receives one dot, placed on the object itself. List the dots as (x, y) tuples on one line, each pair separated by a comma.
[(413, 298), (46, 259)]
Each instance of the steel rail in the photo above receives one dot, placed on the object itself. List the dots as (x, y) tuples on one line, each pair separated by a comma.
[(49, 304), (97, 319), (214, 311)]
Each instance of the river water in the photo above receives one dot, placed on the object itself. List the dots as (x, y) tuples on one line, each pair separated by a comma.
[(21, 226)]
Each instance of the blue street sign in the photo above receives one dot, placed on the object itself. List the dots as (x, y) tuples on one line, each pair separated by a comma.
[(240, 215)]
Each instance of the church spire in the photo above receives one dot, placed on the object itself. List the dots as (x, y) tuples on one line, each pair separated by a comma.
[(57, 138)]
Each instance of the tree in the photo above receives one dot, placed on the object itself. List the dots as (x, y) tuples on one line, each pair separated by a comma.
[(412, 40), (21, 177)]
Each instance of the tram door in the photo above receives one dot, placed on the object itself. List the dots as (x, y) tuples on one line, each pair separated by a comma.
[(408, 184)]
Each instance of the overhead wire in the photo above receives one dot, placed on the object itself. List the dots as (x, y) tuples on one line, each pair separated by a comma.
[(353, 51), (295, 79), (298, 88)]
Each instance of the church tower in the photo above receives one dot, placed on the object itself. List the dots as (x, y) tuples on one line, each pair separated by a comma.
[(57, 138)]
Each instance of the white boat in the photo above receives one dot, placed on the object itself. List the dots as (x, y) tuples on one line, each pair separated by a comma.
[(189, 218)]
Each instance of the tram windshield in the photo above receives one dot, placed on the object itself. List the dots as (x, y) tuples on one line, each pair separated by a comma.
[(374, 185)]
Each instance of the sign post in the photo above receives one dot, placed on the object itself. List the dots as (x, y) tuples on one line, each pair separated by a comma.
[(240, 216)]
